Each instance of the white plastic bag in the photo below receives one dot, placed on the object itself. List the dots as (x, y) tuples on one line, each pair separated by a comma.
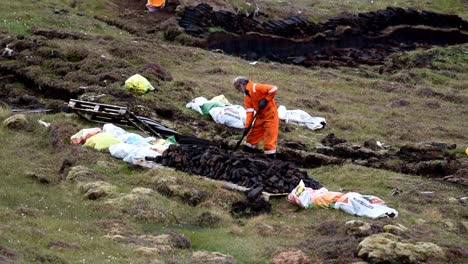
[(232, 116), (351, 203), (131, 138), (140, 153), (196, 103), (114, 130), (121, 150), (301, 118)]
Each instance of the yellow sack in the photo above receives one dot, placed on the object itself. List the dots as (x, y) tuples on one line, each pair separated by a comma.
[(220, 99), (466, 151), (138, 84), (101, 141)]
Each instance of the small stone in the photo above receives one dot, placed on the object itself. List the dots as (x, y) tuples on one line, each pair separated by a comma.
[(142, 191), (357, 228), (97, 190), (420, 221), (450, 226), (205, 257), (452, 200), (16, 122), (291, 257), (396, 230), (465, 225), (264, 229)]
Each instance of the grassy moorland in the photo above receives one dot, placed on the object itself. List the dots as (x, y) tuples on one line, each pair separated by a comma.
[(416, 96)]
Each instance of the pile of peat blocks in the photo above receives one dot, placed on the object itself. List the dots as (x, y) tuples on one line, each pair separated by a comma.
[(248, 170)]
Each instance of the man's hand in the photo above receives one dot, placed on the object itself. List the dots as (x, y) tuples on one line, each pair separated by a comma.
[(262, 103)]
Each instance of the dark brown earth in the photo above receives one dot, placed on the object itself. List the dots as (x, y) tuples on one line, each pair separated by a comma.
[(365, 38)]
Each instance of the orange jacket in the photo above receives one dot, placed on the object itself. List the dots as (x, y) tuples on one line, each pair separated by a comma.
[(256, 92)]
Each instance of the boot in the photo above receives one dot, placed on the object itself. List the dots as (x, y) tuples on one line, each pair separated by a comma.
[(248, 149), (271, 156)]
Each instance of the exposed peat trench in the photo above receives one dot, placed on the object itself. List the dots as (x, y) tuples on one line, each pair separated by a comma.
[(254, 171), (365, 38)]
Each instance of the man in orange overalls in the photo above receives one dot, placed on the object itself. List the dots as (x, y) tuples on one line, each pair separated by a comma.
[(259, 98)]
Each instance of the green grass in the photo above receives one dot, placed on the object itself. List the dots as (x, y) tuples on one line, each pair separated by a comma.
[(364, 109), (19, 17), (321, 10)]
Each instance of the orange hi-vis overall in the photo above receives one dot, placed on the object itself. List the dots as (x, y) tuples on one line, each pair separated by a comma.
[(156, 3), (266, 124)]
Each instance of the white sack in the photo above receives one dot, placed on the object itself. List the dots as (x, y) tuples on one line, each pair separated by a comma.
[(196, 103), (121, 150), (232, 116), (301, 118), (361, 205), (140, 153), (114, 130)]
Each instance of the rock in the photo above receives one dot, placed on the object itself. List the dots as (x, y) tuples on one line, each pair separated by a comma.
[(452, 200), (450, 226), (157, 250), (155, 244), (291, 257), (173, 239), (388, 248), (140, 191), (205, 257), (17, 122), (82, 173), (357, 228), (97, 190), (208, 219), (398, 230), (420, 221), (265, 229), (465, 225)]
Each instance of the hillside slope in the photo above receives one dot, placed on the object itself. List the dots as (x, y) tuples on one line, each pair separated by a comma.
[(61, 203)]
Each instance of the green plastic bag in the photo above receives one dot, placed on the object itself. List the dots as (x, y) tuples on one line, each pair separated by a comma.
[(217, 101), (138, 84)]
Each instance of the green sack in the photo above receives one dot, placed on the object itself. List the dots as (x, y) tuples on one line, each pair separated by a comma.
[(206, 107), (138, 84), (217, 101)]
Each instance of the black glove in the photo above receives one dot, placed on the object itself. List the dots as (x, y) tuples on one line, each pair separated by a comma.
[(262, 103), (246, 131)]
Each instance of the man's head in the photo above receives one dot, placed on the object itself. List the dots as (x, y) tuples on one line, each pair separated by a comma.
[(240, 83)]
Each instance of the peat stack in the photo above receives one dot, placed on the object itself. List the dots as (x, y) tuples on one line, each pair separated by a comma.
[(256, 172)]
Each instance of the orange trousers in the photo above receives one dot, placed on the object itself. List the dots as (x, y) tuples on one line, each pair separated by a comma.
[(266, 130)]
